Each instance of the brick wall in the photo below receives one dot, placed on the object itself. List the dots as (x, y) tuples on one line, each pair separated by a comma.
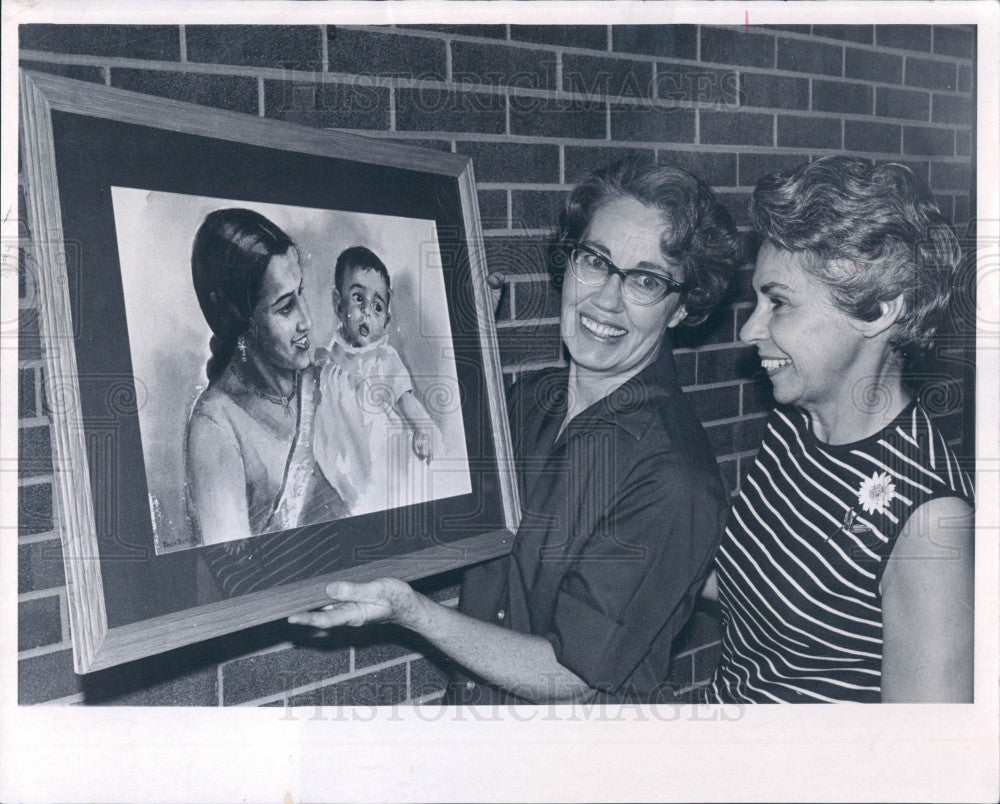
[(536, 107)]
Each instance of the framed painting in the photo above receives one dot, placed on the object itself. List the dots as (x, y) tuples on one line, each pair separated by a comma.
[(271, 363)]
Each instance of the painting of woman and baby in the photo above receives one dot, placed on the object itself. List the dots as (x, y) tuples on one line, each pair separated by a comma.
[(328, 388)]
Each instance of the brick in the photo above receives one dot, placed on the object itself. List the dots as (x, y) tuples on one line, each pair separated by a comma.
[(369, 53), (580, 161), (529, 344), (754, 167), (39, 566), (737, 204), (962, 210), (543, 117), (475, 63), (493, 208), (684, 368), (160, 42), (928, 141), (29, 339), (774, 91), (736, 128), (423, 109), (892, 102), (237, 93), (869, 65), (952, 109), (738, 436), (810, 57), (536, 300), (842, 97), (800, 29), (38, 623), (861, 34), (724, 365), (951, 176), (860, 135), (758, 397), (711, 404), (383, 688), (479, 31), (904, 37), (652, 124), (691, 83), (270, 673), (727, 46), (292, 47), (426, 678), (965, 78), (598, 75), (34, 509), (716, 329), (46, 677), (920, 169), (671, 41), (808, 132), (507, 162), (931, 74), (536, 209), (34, 451), (715, 169), (516, 254), (80, 73), (382, 643), (324, 105), (954, 41), (963, 143), (594, 37), (27, 397), (177, 678)]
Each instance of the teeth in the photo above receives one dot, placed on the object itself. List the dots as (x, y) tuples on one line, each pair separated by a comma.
[(603, 330), (770, 364)]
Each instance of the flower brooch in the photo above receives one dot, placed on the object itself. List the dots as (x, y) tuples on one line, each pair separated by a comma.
[(874, 496)]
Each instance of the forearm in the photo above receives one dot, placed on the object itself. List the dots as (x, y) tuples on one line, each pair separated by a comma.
[(524, 664)]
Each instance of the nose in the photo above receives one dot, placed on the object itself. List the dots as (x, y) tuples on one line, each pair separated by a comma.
[(755, 328), (305, 321), (609, 295)]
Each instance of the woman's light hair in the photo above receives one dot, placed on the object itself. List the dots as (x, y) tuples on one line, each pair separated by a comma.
[(872, 233), (698, 233)]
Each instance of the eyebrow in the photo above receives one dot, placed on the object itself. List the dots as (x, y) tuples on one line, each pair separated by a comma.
[(770, 286), (282, 298), (645, 265)]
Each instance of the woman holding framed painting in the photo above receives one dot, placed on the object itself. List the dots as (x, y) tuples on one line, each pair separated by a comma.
[(623, 504)]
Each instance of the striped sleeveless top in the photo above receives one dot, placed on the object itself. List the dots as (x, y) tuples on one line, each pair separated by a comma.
[(804, 551)]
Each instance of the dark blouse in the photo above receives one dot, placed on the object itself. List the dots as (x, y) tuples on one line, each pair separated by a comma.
[(622, 514)]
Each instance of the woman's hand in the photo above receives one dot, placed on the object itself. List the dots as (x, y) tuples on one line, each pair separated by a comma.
[(496, 282), (386, 600)]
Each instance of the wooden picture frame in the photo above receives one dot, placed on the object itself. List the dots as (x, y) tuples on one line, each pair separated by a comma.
[(79, 141)]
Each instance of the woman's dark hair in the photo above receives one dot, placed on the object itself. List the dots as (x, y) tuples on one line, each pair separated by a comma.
[(872, 233), (698, 232), (365, 259), (231, 252)]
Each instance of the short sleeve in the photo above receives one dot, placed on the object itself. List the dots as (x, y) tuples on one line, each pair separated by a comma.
[(395, 373), (634, 585)]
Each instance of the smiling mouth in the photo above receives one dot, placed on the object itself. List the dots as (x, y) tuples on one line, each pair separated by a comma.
[(602, 331), (772, 365), (302, 344)]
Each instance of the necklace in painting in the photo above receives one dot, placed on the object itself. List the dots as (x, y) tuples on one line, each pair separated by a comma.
[(284, 401)]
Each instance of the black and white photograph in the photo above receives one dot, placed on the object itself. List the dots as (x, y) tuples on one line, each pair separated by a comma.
[(503, 401)]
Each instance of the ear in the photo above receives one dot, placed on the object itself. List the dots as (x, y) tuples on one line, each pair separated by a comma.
[(889, 313), (679, 315), (336, 301)]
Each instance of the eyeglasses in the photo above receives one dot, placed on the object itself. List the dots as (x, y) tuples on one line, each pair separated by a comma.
[(640, 287)]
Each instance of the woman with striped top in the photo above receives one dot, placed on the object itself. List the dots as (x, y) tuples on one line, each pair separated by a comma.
[(846, 569)]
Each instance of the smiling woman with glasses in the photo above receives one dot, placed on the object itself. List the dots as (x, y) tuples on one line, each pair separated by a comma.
[(623, 503)]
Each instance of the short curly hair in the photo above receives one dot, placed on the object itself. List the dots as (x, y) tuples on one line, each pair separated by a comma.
[(873, 232), (698, 232)]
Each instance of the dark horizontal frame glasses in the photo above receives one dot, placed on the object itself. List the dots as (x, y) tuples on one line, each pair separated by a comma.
[(638, 286)]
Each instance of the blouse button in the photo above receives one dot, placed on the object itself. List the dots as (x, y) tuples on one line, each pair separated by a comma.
[(501, 614)]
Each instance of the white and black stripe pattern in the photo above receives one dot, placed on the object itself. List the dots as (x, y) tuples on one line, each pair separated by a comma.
[(801, 561)]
